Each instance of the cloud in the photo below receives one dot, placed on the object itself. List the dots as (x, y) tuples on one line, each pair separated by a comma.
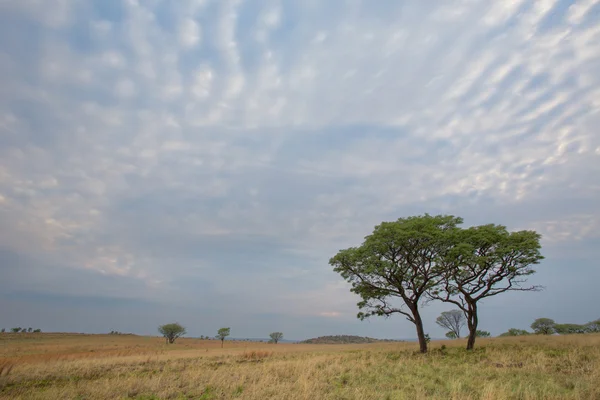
[(235, 146)]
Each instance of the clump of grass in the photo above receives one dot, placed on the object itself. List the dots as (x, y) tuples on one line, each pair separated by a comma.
[(255, 355), (5, 367)]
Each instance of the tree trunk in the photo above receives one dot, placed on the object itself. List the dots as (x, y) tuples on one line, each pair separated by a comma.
[(472, 322), (420, 330), (222, 341)]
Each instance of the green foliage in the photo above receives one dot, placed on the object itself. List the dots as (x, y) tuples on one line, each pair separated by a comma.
[(171, 331), (451, 335), (453, 320), (222, 334), (567, 329), (544, 326), (3, 330), (482, 333), (485, 261), (593, 326), (37, 330), (515, 332), (208, 394), (341, 339), (415, 259), (400, 260), (15, 330), (238, 391), (276, 337)]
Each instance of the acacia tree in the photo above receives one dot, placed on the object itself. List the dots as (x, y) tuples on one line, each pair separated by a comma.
[(452, 320), (399, 260), (171, 332), (276, 337), (483, 333), (544, 326), (222, 334), (486, 261), (567, 329)]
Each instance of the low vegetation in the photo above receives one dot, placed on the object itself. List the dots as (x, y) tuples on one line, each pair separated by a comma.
[(341, 339), (135, 367)]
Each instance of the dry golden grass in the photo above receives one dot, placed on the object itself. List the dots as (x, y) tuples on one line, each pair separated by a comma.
[(50, 366)]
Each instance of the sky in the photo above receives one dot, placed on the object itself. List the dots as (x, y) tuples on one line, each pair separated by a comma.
[(200, 161)]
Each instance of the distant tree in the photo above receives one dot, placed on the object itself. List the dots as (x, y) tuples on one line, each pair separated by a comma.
[(37, 330), (593, 326), (451, 335), (452, 320), (3, 330), (15, 330), (29, 329), (276, 337), (398, 261), (485, 261), (483, 333), (569, 329), (171, 332), (222, 334), (515, 332), (544, 326)]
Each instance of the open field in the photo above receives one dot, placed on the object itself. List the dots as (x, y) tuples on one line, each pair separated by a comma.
[(61, 366)]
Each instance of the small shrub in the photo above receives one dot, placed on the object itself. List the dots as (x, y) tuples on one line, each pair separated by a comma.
[(238, 391), (208, 393)]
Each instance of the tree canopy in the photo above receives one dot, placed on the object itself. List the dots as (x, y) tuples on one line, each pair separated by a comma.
[(276, 337), (406, 263), (515, 332), (544, 326), (222, 334), (569, 329), (485, 261), (398, 261), (171, 332), (452, 320)]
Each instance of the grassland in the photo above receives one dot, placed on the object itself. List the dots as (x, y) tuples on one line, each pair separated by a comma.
[(54, 366)]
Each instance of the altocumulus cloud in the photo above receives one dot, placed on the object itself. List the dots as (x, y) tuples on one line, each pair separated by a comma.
[(201, 160)]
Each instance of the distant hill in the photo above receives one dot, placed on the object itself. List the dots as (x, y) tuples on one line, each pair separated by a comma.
[(343, 339)]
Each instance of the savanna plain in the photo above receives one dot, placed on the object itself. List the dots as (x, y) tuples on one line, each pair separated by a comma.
[(70, 366)]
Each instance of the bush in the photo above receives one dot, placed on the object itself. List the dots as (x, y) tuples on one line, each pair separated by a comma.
[(515, 332)]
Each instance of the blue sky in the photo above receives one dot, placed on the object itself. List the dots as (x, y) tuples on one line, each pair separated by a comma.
[(201, 161)]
